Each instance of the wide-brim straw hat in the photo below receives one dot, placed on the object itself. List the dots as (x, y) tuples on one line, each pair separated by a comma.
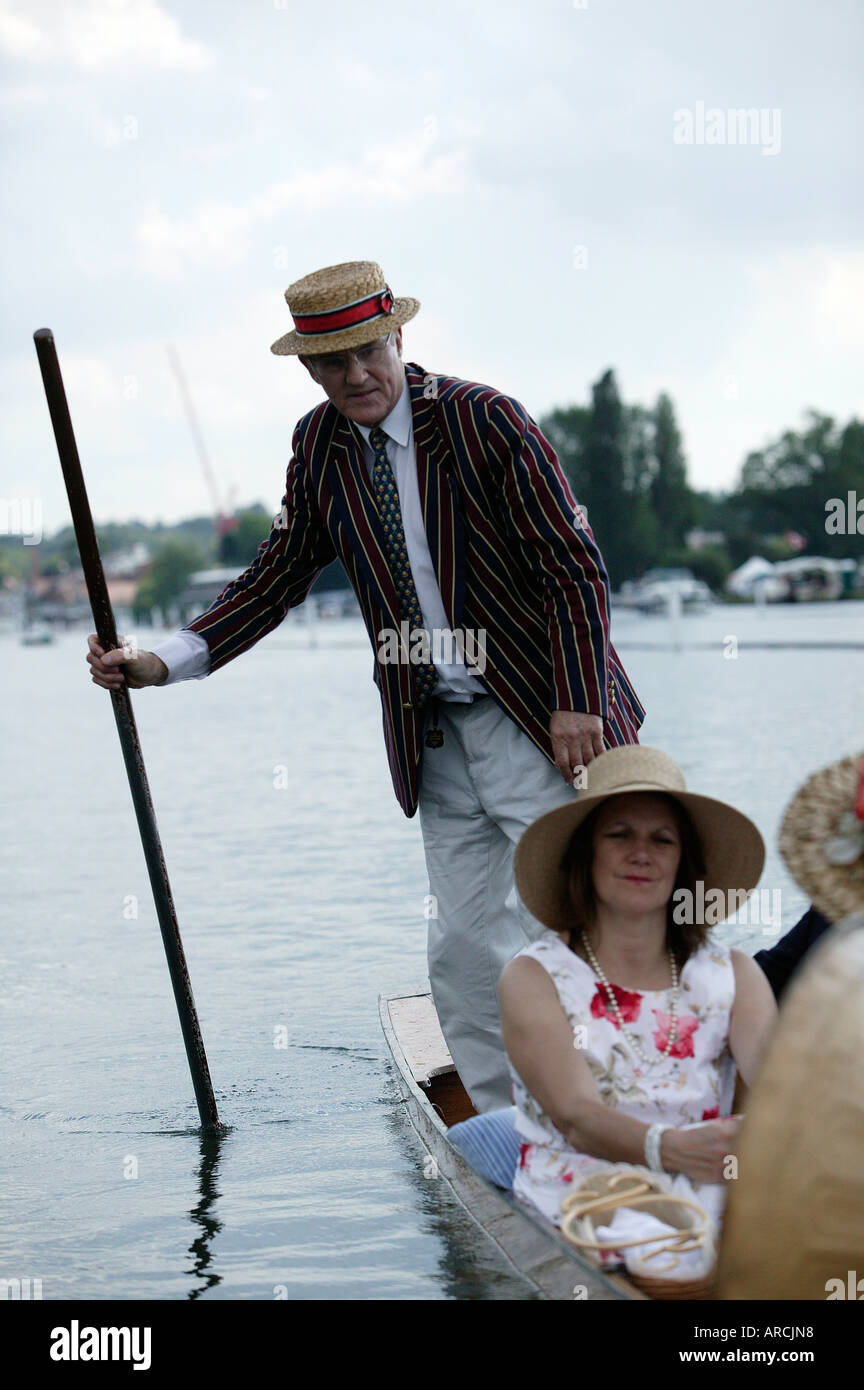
[(732, 847), (341, 306), (795, 1218), (820, 828)]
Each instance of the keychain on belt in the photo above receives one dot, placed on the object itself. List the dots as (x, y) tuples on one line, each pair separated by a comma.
[(434, 736)]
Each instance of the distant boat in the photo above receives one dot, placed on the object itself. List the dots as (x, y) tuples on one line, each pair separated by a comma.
[(658, 589), (338, 603), (37, 637), (803, 579), (756, 580), (810, 578)]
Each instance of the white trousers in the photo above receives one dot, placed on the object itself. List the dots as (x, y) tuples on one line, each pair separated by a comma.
[(478, 793)]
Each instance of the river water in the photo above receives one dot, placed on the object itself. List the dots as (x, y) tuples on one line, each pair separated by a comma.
[(300, 892)]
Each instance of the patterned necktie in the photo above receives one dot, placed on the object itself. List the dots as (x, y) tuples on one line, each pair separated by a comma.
[(387, 498)]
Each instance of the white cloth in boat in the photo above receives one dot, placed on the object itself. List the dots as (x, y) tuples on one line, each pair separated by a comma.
[(652, 1260), (694, 1084)]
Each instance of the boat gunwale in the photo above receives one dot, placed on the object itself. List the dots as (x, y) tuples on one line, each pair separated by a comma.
[(607, 1287)]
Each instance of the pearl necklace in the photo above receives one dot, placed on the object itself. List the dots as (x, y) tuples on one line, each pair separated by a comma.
[(635, 1043)]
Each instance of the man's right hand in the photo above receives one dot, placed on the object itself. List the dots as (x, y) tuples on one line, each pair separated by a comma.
[(123, 666)]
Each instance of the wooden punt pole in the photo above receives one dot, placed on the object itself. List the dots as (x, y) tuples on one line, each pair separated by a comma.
[(103, 618)]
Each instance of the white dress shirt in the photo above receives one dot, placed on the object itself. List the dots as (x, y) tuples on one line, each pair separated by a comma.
[(187, 655)]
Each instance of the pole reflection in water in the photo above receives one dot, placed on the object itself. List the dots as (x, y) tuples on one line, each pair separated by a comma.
[(203, 1216)]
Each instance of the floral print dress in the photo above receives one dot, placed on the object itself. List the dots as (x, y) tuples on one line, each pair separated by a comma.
[(695, 1083)]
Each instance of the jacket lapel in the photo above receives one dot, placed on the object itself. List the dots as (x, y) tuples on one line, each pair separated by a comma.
[(442, 514), (355, 506)]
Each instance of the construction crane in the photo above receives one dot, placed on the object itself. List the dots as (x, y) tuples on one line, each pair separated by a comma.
[(223, 520)]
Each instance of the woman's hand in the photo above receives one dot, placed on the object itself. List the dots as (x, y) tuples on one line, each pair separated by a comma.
[(701, 1152)]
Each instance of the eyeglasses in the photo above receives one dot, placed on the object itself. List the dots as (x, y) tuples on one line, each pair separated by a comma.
[(337, 363)]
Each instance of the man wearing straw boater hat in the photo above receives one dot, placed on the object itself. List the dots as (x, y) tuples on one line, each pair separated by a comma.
[(486, 600)]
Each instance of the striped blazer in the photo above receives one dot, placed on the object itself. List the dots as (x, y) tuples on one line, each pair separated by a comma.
[(513, 555)]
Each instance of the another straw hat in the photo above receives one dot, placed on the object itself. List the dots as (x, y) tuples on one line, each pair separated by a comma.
[(794, 1227), (732, 847), (341, 307), (822, 838)]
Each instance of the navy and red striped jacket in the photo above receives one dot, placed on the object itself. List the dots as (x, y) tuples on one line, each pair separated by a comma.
[(512, 552)]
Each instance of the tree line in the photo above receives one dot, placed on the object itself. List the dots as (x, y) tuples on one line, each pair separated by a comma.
[(626, 466), (627, 469)]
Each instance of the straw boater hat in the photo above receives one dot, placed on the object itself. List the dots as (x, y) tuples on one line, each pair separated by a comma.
[(822, 838), (794, 1227), (732, 847), (341, 307)]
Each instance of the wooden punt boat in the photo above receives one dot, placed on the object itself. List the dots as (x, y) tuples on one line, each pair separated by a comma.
[(434, 1100)]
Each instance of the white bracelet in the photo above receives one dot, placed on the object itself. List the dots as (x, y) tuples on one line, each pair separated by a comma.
[(652, 1147)]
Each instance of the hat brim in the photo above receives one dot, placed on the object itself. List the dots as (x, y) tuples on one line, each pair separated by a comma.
[(294, 343), (732, 846), (810, 819)]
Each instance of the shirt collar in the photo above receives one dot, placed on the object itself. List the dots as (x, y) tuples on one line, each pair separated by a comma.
[(397, 424)]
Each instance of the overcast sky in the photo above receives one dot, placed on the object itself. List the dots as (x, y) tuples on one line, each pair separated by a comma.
[(170, 167)]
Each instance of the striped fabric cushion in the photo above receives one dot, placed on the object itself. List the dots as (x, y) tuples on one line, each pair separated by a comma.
[(490, 1144)]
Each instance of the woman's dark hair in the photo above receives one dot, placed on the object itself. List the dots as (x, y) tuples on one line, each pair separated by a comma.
[(682, 937)]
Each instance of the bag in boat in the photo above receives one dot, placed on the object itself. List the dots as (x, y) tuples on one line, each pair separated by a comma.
[(665, 1241)]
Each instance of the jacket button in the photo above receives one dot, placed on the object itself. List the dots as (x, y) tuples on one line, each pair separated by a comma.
[(406, 704)]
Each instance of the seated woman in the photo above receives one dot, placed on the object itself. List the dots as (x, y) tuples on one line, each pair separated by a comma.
[(624, 1022)]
